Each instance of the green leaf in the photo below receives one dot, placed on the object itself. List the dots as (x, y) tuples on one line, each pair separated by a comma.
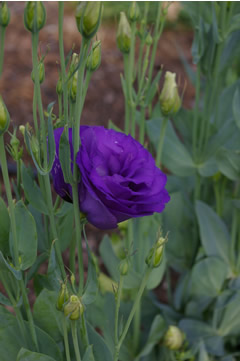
[(235, 23), (65, 226), (46, 315), (91, 288), (26, 355), (208, 168), (208, 277), (65, 156), (32, 192), (111, 125), (153, 88), (230, 322), (100, 350), (157, 274), (156, 332), (5, 266), (88, 356), (198, 331), (236, 105), (4, 300), (27, 236), (175, 155), (4, 228), (228, 163), (214, 234)]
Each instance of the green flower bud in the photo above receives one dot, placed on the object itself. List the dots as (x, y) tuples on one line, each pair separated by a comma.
[(124, 34), (173, 338), (4, 117), (63, 297), (88, 18), (169, 98), (4, 14), (148, 40), (13, 147), (124, 267), (22, 129), (59, 88), (35, 147), (94, 58), (73, 90), (134, 11), (31, 23), (155, 254), (74, 308), (41, 73)]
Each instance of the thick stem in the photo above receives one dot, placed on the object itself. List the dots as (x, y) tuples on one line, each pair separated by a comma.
[(136, 327), (75, 340), (161, 141), (65, 337)]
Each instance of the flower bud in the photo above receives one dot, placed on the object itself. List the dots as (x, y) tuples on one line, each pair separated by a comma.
[(4, 117), (35, 147), (124, 34), (74, 308), (94, 58), (59, 88), (169, 98), (4, 14), (33, 22), (148, 40), (134, 11), (124, 267), (63, 297), (155, 254), (22, 129), (13, 147), (41, 73), (88, 18), (173, 338), (73, 90)]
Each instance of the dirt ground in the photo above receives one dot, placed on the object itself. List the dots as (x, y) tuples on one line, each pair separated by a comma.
[(104, 99)]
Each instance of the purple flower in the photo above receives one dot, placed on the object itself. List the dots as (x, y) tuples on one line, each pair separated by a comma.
[(119, 178)]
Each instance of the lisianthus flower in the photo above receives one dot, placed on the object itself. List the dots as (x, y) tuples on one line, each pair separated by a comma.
[(119, 178)]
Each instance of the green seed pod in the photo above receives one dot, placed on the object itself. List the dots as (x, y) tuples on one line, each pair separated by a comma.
[(88, 16), (4, 14), (94, 58), (74, 308), (4, 117), (173, 338), (169, 98), (63, 297), (41, 72), (134, 11), (124, 34), (32, 8), (124, 267)]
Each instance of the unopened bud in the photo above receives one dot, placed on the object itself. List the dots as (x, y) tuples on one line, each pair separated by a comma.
[(41, 73), (94, 58), (13, 148), (155, 254), (173, 338), (34, 16), (22, 129), (134, 11), (35, 147), (63, 297), (4, 14), (88, 16), (73, 90), (148, 39), (124, 34), (169, 98), (4, 117), (124, 267), (59, 88), (74, 308), (72, 279)]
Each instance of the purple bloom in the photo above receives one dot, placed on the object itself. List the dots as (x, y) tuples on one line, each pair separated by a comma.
[(119, 178)]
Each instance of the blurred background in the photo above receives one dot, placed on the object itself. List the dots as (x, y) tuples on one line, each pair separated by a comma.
[(104, 99)]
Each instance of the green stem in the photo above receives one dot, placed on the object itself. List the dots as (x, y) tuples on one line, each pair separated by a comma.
[(19, 177), (233, 250), (133, 310), (2, 40), (196, 111), (131, 73), (119, 293), (127, 114), (35, 120), (156, 36), (62, 59), (65, 337), (142, 31), (161, 141), (83, 331), (142, 126), (136, 327), (75, 340), (6, 180), (218, 198), (60, 106)]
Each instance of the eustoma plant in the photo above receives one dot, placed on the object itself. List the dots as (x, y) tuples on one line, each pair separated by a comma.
[(115, 180)]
